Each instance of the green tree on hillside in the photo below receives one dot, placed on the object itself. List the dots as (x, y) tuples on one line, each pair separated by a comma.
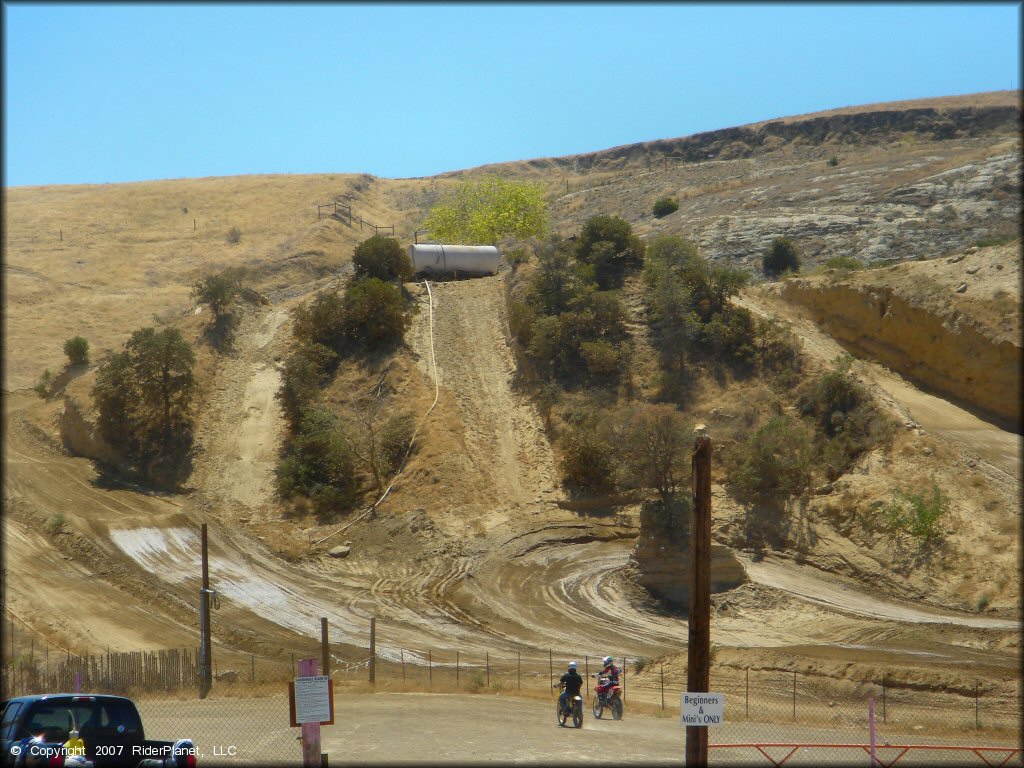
[(144, 397), (77, 350), (607, 243), (485, 211), (655, 447), (781, 257), (217, 291), (382, 257)]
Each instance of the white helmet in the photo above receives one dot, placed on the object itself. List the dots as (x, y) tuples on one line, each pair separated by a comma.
[(606, 660), (572, 665)]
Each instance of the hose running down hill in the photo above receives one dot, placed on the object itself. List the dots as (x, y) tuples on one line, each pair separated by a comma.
[(412, 440)]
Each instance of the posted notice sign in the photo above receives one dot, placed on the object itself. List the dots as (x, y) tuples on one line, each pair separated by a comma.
[(704, 709), (312, 700)]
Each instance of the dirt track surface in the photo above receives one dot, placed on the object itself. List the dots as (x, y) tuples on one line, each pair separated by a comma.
[(476, 729)]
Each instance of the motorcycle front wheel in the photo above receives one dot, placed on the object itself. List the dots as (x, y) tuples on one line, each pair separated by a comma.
[(616, 708), (559, 713), (598, 707)]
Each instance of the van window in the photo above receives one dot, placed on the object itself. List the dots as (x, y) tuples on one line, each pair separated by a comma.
[(10, 715)]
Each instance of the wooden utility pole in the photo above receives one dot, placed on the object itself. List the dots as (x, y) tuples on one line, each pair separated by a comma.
[(373, 651), (325, 648), (206, 661), (698, 671)]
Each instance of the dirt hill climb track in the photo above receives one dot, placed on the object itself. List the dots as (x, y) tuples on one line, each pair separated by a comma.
[(514, 570)]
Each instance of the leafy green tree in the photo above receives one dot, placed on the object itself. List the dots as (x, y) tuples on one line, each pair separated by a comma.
[(322, 321), (782, 256), (77, 350), (162, 362), (487, 210), (608, 244), (217, 291), (144, 396), (382, 257), (374, 314), (655, 444)]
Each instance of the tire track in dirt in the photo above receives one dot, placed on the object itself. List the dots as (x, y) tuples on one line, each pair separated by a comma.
[(505, 442)]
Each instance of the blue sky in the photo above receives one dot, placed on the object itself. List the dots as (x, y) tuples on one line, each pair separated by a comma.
[(114, 93)]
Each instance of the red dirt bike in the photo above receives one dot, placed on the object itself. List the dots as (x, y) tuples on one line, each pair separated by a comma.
[(574, 707), (610, 698)]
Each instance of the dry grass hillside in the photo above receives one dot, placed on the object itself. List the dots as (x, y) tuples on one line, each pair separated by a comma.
[(479, 547)]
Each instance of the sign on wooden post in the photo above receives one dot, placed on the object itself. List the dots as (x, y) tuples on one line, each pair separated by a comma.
[(311, 704)]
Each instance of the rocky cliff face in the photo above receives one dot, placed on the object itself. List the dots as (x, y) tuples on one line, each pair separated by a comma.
[(947, 356)]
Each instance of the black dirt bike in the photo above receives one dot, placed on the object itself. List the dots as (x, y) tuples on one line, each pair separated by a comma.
[(574, 708)]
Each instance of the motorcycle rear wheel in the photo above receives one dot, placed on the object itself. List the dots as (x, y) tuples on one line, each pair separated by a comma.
[(577, 714), (559, 713), (616, 708)]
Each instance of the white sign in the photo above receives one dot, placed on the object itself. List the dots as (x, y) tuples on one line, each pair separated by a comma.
[(702, 709), (312, 699)]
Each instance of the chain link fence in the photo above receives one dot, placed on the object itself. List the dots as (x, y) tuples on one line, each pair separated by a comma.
[(246, 712)]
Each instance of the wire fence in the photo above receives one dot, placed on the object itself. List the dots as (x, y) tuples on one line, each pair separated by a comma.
[(246, 712)]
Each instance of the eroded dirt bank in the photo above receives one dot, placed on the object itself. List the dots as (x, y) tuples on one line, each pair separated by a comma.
[(955, 360)]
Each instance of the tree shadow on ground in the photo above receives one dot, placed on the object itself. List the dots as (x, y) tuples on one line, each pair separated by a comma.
[(220, 334)]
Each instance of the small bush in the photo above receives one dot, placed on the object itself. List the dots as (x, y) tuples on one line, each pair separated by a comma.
[(588, 458), (918, 515), (774, 462), (382, 257), (781, 257), (55, 523), (44, 384), (844, 263), (77, 350), (234, 235), (664, 206), (603, 360), (322, 321), (833, 161), (319, 465), (608, 244)]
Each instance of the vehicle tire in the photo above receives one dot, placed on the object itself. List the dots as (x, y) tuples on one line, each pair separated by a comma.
[(577, 714), (616, 708), (598, 707), (559, 713)]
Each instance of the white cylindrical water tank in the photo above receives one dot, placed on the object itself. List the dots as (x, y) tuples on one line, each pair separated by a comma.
[(447, 259)]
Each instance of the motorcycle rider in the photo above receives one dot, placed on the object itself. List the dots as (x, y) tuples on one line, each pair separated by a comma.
[(610, 675), (571, 682)]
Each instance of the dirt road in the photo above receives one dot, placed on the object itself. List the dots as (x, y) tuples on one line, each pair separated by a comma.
[(413, 728)]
